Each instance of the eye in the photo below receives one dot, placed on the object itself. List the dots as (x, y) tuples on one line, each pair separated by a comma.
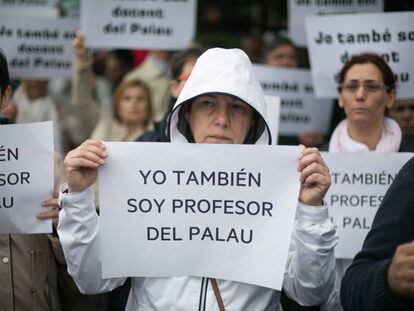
[(372, 87), (351, 87), (240, 108)]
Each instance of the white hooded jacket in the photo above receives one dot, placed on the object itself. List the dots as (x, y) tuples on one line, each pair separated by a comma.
[(309, 276)]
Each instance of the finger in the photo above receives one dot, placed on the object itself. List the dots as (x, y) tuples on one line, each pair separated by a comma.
[(51, 214), (52, 202), (405, 249), (310, 158), (84, 154), (314, 168), (92, 142), (76, 163), (317, 180)]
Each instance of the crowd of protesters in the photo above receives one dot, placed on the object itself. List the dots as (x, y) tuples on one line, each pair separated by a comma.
[(112, 97)]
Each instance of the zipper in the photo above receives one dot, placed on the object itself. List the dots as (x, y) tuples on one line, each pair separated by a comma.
[(203, 294)]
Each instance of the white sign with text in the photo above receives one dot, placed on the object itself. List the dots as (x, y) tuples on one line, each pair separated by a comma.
[(26, 176), (156, 24), (299, 9), (333, 40), (37, 47), (273, 116), (359, 183), (299, 110), (204, 210)]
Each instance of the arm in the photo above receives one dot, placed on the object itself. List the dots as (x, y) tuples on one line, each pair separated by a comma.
[(86, 109), (78, 222), (79, 235), (309, 277), (372, 281)]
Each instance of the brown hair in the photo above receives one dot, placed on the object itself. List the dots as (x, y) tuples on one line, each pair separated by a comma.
[(120, 91), (370, 58)]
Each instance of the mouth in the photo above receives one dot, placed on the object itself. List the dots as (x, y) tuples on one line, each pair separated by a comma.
[(218, 139)]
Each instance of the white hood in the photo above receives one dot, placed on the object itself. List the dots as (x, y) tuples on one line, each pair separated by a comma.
[(226, 71)]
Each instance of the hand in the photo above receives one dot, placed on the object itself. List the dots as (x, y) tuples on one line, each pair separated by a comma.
[(82, 164), (315, 178), (53, 211), (311, 139), (52, 205), (79, 49), (400, 275)]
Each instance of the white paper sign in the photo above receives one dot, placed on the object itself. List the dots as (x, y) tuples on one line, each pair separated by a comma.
[(156, 24), (50, 12), (35, 4), (198, 210), (273, 116), (26, 176), (359, 183), (37, 47), (299, 9), (299, 109), (332, 40)]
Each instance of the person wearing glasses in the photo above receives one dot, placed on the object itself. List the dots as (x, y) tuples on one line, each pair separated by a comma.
[(403, 113), (366, 90)]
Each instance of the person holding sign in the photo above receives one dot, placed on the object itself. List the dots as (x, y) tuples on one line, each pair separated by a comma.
[(381, 276), (132, 112), (366, 89), (221, 103), (29, 262)]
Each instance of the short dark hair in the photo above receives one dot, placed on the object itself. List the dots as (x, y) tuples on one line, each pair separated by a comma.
[(278, 42), (370, 58), (4, 74), (124, 56), (179, 59)]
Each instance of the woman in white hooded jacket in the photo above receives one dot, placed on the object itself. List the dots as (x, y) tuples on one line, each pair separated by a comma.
[(221, 102)]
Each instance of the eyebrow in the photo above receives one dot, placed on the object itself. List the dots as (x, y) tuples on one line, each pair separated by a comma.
[(366, 80)]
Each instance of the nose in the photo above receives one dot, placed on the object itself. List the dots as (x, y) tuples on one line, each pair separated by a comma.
[(222, 117), (360, 93)]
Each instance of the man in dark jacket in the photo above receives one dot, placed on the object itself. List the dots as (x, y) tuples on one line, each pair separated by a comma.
[(381, 278)]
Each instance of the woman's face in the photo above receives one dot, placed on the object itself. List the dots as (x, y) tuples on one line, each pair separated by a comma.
[(364, 96), (177, 85), (133, 107)]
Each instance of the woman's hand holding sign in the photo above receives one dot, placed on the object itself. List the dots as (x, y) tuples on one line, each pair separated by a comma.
[(315, 178), (82, 164)]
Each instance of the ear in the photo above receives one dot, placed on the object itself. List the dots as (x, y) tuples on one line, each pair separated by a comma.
[(6, 97), (391, 99), (340, 101), (174, 88)]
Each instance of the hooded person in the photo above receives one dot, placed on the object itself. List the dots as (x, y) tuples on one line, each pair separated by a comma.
[(221, 102)]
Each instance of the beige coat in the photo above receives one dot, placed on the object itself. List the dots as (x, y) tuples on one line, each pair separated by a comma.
[(107, 127), (29, 267)]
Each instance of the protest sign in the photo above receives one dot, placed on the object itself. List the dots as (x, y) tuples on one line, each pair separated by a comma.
[(37, 47), (333, 40), (50, 12), (26, 176), (35, 4), (359, 183), (272, 116), (156, 24), (299, 9), (198, 210), (299, 109)]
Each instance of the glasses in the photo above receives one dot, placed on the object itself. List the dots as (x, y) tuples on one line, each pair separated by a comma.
[(369, 87)]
